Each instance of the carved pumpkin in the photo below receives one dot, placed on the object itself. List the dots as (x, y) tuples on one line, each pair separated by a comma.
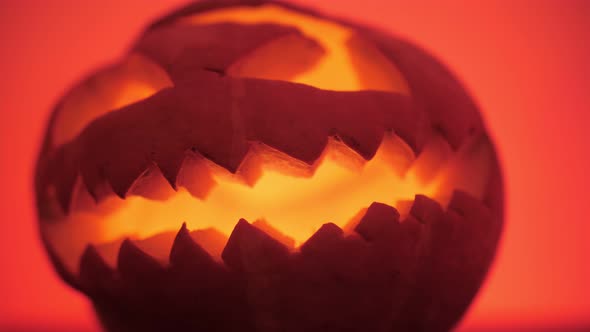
[(255, 166)]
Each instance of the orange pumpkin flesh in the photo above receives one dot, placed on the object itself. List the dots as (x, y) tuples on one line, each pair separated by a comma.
[(372, 189)]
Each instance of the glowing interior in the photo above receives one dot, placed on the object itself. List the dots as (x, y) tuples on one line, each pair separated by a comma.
[(292, 207)]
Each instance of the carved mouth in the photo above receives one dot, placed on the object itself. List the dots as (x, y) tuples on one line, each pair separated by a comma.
[(418, 261), (128, 176), (289, 206)]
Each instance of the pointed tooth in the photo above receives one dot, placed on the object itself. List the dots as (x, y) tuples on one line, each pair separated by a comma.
[(101, 191), (135, 265), (256, 257), (195, 176), (396, 153), (123, 175), (92, 178), (192, 270), (325, 236), (435, 155), (264, 226), (425, 209), (151, 184), (380, 222), (169, 164), (250, 249), (119, 186), (338, 151), (186, 252), (95, 273), (365, 142), (250, 169)]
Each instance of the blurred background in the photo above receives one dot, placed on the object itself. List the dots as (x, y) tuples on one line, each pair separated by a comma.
[(527, 63)]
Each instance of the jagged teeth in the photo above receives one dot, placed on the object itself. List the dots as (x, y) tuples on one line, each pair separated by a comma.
[(118, 148), (380, 224), (432, 253)]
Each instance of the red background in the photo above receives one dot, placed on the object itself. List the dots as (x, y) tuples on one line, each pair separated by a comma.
[(525, 62)]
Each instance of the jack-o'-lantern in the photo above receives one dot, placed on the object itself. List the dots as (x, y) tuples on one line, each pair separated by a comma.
[(254, 166)]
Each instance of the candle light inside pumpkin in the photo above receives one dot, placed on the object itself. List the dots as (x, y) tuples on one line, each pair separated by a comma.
[(366, 137)]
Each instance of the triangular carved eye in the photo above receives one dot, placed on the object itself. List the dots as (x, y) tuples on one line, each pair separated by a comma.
[(259, 167)]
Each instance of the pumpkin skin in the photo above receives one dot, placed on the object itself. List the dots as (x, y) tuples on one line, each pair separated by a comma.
[(388, 269)]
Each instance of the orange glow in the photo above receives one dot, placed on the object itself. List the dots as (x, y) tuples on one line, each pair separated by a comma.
[(294, 206), (528, 72), (290, 207)]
